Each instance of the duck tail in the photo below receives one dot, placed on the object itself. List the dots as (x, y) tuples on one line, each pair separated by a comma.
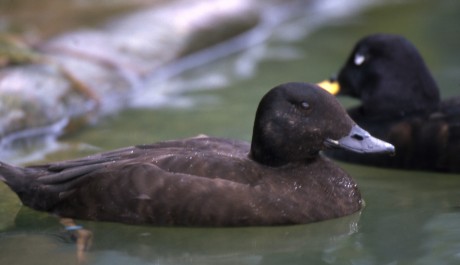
[(14, 177)]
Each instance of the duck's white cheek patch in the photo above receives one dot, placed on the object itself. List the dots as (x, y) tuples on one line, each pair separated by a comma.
[(359, 59)]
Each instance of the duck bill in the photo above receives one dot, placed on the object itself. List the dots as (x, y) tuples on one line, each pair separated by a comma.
[(330, 85), (360, 141)]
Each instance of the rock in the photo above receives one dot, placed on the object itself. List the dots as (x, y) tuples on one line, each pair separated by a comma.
[(92, 70)]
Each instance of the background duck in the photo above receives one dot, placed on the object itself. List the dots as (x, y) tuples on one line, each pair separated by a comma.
[(279, 178), (400, 103)]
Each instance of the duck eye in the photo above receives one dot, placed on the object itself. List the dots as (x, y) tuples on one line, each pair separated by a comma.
[(359, 59), (305, 105)]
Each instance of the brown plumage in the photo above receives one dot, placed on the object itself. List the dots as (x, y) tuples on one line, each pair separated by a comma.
[(204, 181)]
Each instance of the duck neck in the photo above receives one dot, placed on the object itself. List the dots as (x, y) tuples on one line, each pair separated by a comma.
[(424, 98), (268, 152), (264, 157), (416, 93)]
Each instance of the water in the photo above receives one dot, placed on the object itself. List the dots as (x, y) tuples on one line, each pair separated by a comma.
[(410, 217)]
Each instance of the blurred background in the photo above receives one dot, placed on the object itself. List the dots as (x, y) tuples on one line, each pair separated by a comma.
[(80, 77)]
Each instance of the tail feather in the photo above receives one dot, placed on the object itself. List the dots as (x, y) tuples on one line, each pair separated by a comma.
[(41, 188), (22, 180), (14, 177)]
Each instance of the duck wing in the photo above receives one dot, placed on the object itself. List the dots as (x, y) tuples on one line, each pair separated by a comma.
[(163, 183), (201, 156)]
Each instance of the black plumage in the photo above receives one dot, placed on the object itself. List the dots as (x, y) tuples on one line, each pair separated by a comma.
[(400, 103)]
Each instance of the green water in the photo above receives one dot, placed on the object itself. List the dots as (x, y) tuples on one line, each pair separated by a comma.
[(409, 218)]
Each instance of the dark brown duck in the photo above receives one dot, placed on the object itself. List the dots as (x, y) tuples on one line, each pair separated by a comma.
[(280, 178), (400, 103)]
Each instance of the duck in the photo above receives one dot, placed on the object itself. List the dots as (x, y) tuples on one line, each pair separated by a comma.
[(399, 102), (280, 178)]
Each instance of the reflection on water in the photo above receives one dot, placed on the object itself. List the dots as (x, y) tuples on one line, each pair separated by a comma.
[(410, 217), (124, 244), (396, 226)]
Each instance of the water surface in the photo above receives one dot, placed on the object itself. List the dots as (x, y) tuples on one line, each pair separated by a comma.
[(410, 217)]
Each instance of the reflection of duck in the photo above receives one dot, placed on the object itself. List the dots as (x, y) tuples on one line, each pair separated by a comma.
[(400, 103), (278, 179), (145, 244)]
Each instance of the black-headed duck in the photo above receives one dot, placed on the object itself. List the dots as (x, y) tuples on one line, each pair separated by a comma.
[(280, 178), (400, 103)]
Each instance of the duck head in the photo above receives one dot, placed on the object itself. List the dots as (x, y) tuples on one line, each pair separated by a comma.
[(388, 74), (295, 121)]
